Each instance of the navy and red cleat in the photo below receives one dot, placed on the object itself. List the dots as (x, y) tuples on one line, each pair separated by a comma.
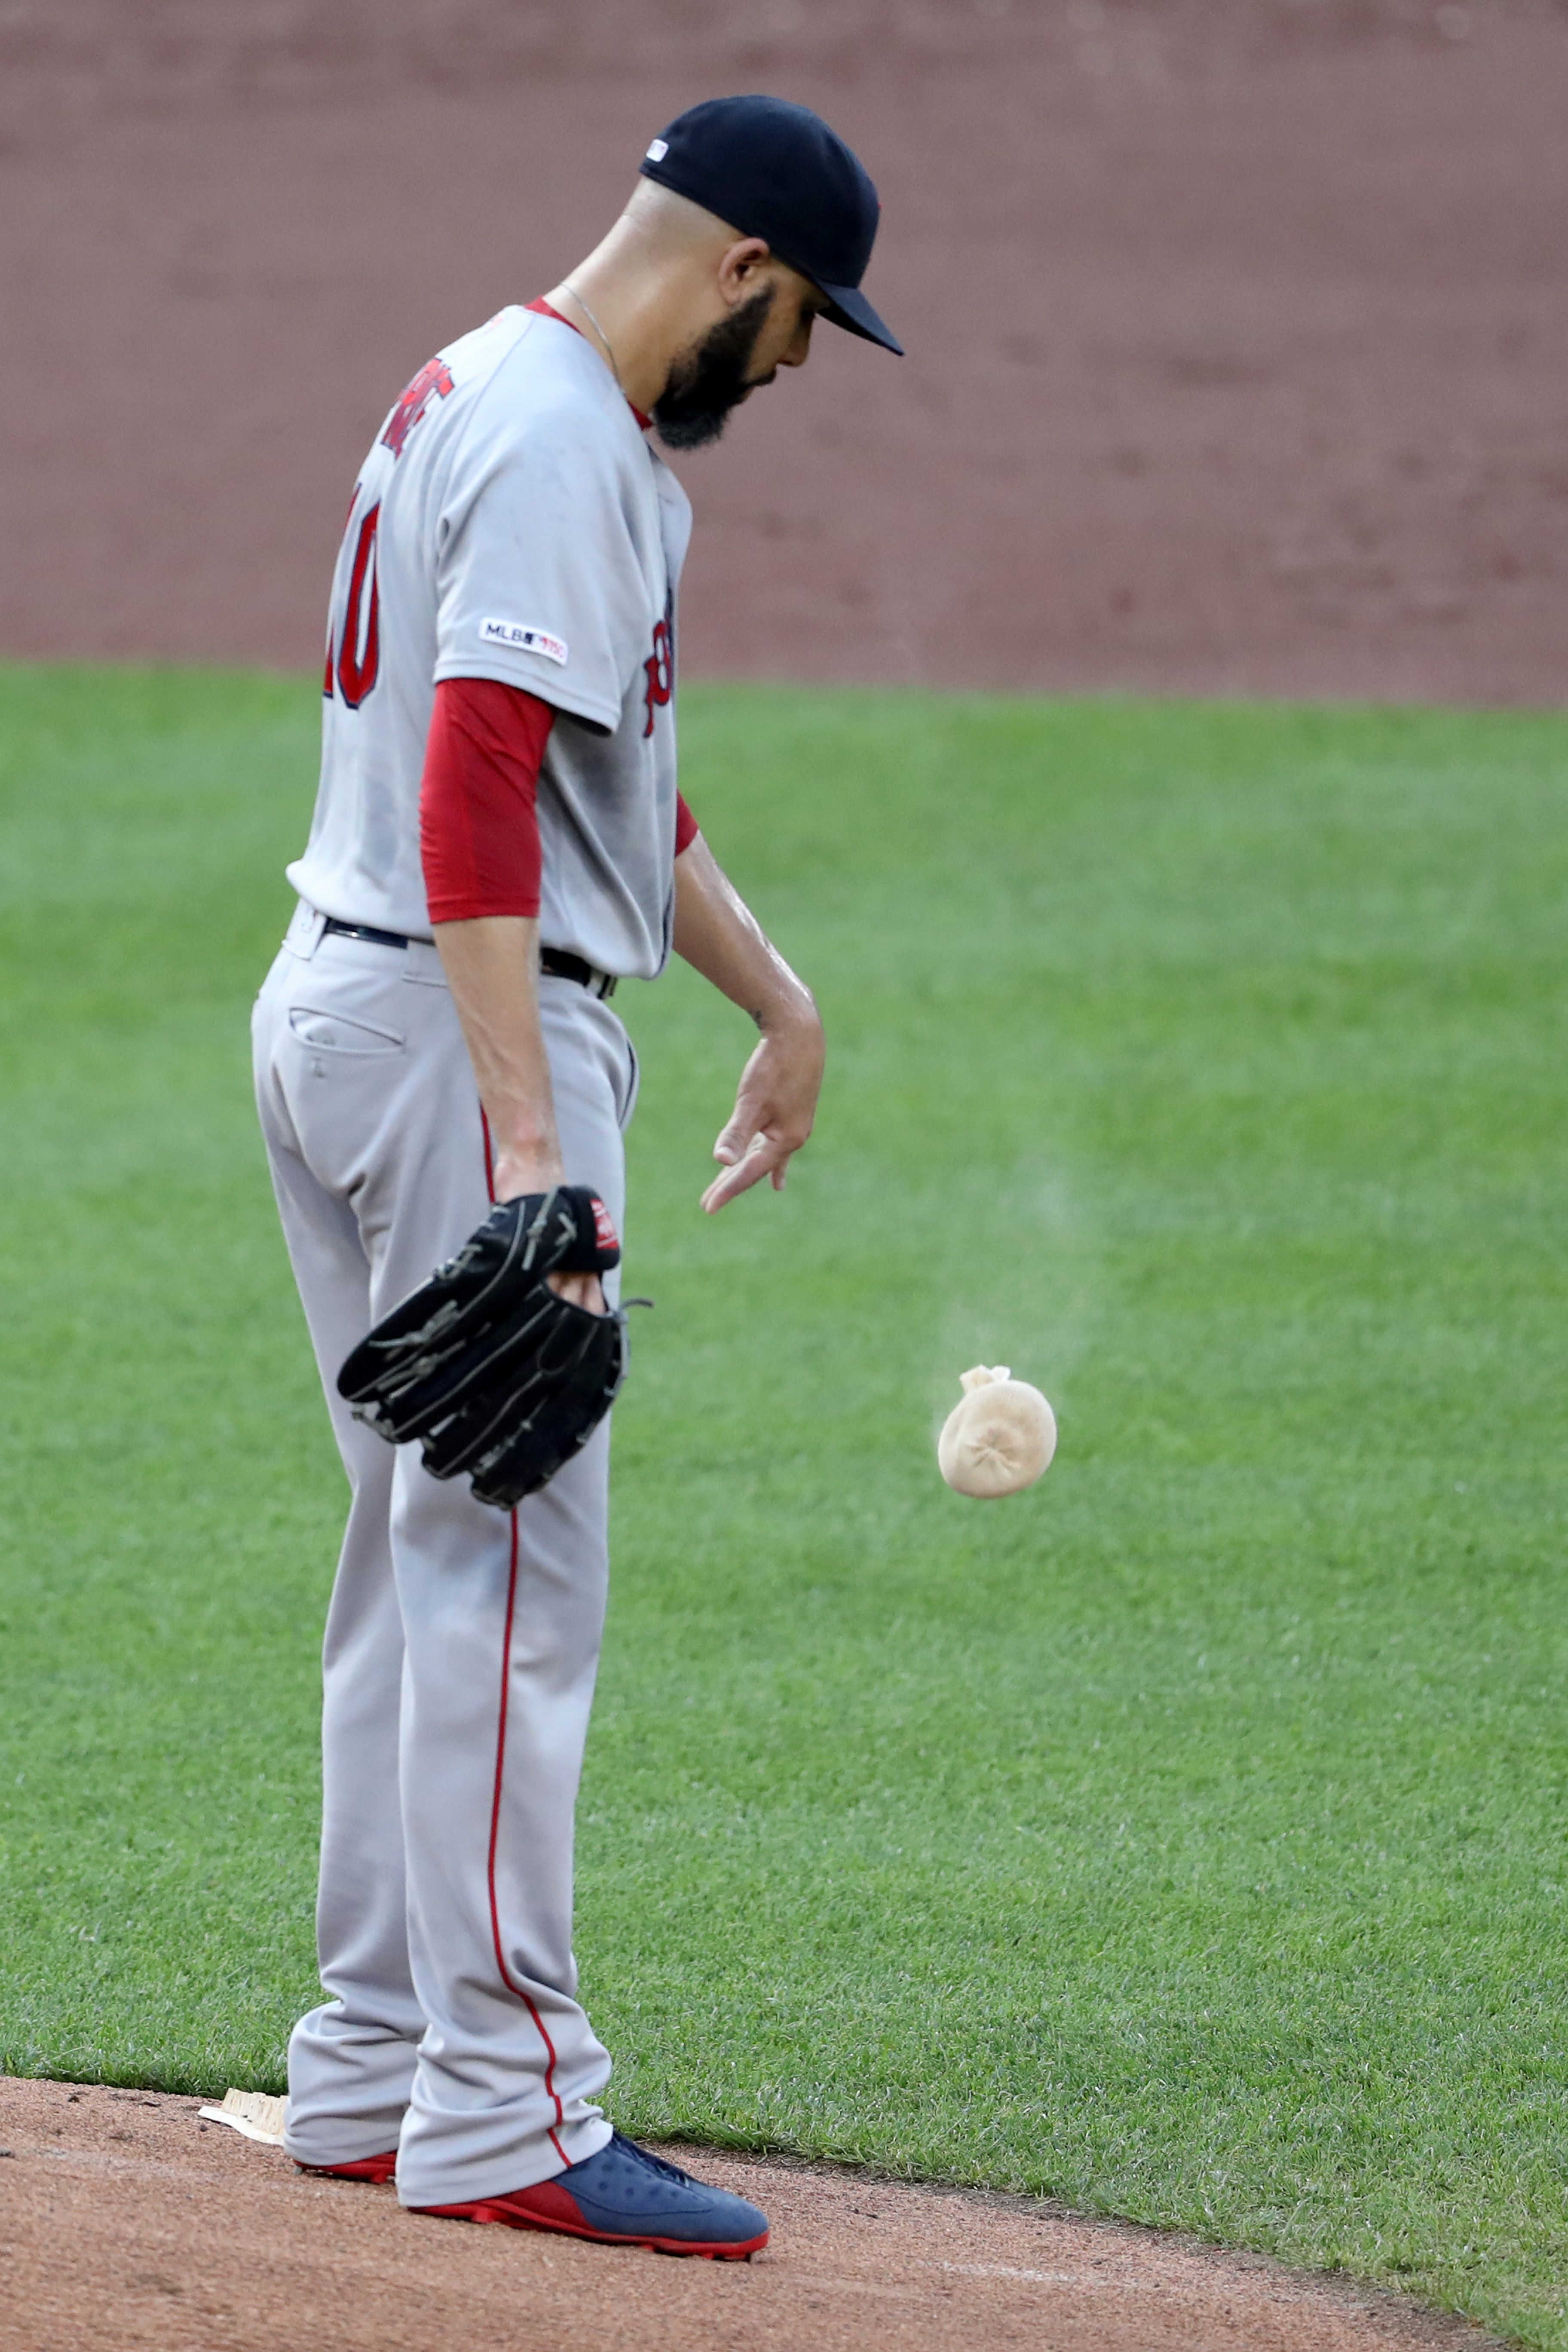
[(377, 2168), (623, 2196)]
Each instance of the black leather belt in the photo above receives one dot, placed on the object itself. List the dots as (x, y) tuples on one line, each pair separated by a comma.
[(554, 961)]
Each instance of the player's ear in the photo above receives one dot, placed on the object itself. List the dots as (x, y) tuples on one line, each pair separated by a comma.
[(743, 267)]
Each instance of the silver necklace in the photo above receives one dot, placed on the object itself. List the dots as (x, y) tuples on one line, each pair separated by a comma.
[(609, 347)]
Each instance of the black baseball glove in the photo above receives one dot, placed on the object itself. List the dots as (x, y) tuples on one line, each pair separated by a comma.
[(493, 1372)]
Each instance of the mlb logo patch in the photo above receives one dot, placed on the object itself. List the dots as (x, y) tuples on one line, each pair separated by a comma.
[(521, 638)]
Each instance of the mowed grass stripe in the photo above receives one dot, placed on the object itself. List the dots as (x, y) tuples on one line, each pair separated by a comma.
[(1184, 1838)]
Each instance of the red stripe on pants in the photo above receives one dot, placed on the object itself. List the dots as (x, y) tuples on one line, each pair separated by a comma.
[(550, 2090)]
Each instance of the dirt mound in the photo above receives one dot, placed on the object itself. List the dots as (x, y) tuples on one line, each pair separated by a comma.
[(126, 2220), (1236, 360)]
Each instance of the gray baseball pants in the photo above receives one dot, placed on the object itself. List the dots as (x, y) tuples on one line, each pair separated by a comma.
[(461, 1641)]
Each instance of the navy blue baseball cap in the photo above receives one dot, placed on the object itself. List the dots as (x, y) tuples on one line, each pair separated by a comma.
[(777, 172)]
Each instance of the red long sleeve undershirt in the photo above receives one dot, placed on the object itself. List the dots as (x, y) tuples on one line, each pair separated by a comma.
[(479, 817)]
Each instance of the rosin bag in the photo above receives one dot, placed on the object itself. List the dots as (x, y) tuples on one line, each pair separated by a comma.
[(1000, 1438)]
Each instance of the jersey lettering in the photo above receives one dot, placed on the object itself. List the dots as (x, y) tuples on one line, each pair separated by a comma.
[(562, 548), (435, 376), (359, 655), (660, 671)]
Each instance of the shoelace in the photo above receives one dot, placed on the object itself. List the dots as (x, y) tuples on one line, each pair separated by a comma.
[(646, 2155)]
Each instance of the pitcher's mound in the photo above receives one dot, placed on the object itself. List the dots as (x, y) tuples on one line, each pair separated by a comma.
[(130, 2224)]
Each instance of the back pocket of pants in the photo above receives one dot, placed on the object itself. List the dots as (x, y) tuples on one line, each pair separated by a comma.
[(332, 1033)]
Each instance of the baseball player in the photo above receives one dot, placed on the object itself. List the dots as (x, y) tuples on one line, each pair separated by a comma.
[(498, 842)]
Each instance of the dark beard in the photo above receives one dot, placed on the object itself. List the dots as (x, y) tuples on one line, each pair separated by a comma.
[(709, 380)]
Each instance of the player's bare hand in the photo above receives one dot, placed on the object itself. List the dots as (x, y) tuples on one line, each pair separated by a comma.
[(775, 1107), (539, 1170), (579, 1290)]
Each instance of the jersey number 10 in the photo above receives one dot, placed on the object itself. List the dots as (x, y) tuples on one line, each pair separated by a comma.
[(359, 647)]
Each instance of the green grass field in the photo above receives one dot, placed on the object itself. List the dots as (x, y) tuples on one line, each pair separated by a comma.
[(1183, 1838)]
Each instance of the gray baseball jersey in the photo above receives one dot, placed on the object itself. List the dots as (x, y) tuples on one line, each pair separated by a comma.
[(511, 522)]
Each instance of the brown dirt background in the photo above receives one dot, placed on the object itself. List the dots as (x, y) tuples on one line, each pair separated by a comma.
[(125, 2221), (1238, 362)]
